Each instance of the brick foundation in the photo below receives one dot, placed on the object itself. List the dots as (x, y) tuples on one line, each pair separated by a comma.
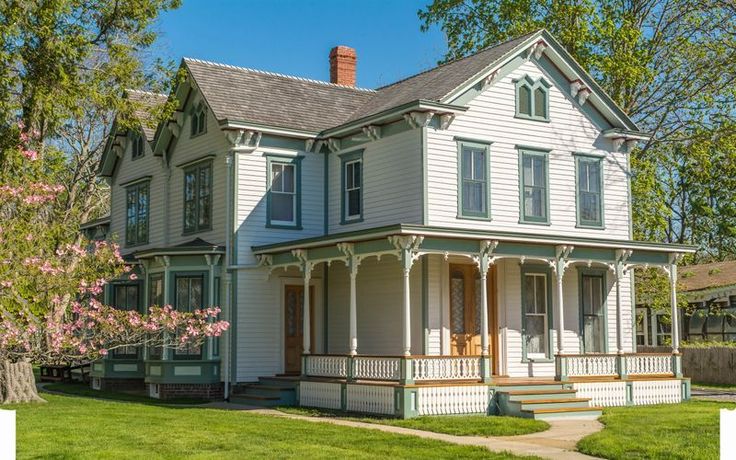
[(123, 385), (214, 391)]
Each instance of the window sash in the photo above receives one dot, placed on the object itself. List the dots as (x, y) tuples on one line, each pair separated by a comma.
[(126, 297), (589, 183), (353, 181), (283, 193), (535, 311), (137, 214), (198, 198), (535, 187), (532, 99), (593, 313), (474, 181), (189, 295)]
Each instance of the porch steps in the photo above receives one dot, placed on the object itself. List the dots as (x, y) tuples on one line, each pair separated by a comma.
[(545, 402), (267, 392)]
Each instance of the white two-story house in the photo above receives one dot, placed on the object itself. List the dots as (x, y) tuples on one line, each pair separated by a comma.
[(456, 242)]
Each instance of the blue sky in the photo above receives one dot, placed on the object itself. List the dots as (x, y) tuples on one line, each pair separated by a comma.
[(294, 36)]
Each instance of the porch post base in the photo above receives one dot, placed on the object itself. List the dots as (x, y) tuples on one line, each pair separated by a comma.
[(561, 368), (677, 365), (407, 371), (350, 377), (485, 369), (304, 365), (623, 373), (406, 402)]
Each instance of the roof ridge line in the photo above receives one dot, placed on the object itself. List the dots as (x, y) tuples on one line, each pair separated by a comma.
[(276, 74), (141, 91), (456, 60)]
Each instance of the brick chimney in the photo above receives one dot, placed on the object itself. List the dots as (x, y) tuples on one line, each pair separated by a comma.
[(342, 65)]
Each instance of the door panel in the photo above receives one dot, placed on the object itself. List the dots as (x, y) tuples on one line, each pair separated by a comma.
[(294, 326), (465, 311)]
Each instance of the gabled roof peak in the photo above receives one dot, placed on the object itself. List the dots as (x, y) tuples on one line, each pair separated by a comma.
[(275, 74)]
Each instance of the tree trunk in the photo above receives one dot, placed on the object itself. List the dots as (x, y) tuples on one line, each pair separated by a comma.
[(17, 384)]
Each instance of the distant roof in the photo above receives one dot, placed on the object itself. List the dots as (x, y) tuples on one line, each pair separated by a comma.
[(145, 102), (706, 276), (247, 95)]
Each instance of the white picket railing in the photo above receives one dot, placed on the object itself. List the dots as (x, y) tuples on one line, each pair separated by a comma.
[(446, 368), (649, 364), (327, 366), (591, 365), (376, 368)]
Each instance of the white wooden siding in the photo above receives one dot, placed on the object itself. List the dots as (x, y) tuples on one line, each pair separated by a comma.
[(392, 183), (379, 315), (251, 204), (491, 117)]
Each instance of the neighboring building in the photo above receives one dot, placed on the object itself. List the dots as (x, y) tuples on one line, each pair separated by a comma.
[(710, 290), (459, 232)]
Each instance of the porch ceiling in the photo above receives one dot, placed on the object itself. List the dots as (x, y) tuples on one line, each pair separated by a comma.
[(437, 240)]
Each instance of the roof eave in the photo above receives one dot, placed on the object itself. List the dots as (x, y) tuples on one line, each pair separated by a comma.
[(267, 129)]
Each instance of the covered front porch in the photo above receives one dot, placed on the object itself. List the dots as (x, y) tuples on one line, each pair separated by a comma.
[(420, 314)]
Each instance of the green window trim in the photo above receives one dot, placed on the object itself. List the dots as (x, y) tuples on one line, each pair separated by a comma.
[(120, 294), (137, 213), (463, 147), (530, 270), (203, 276), (296, 163), (198, 120), (198, 204), (526, 217), (589, 159), (600, 274), (532, 98), (138, 147), (347, 159)]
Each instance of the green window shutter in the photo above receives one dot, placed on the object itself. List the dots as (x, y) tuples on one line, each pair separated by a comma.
[(473, 180)]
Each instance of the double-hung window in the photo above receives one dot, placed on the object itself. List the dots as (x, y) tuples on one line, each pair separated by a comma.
[(534, 185), (189, 295), (592, 307), (284, 192), (136, 213), (589, 191), (155, 298), (352, 187), (532, 98), (535, 311), (126, 296), (198, 197), (474, 190)]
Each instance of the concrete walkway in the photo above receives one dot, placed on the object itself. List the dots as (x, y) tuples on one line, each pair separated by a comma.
[(556, 443)]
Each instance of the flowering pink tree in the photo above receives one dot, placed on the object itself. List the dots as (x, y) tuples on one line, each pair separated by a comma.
[(50, 283)]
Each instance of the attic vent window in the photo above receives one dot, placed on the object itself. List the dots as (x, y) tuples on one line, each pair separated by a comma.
[(199, 120), (138, 146), (532, 98)]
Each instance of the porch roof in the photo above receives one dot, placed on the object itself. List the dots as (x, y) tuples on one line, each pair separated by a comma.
[(463, 241)]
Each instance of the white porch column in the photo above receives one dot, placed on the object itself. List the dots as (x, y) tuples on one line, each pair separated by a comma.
[(306, 266), (484, 261), (352, 262), (622, 255), (673, 305), (562, 253), (407, 246)]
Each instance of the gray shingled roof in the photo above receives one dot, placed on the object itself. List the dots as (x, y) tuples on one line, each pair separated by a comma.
[(436, 83), (145, 101), (247, 95)]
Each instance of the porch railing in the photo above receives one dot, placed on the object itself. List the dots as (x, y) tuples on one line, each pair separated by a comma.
[(376, 368), (606, 365), (334, 366), (446, 368)]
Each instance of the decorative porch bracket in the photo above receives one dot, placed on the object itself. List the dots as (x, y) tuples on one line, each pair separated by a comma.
[(484, 260), (408, 251), (559, 265)]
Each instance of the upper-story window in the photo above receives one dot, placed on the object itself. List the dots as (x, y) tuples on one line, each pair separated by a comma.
[(284, 192), (138, 149), (532, 98), (352, 187), (198, 197), (589, 191), (199, 120), (474, 190), (534, 184), (137, 213)]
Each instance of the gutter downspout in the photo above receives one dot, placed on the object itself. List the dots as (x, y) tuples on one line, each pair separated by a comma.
[(228, 274)]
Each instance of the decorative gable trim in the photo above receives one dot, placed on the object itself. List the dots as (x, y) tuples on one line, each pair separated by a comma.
[(243, 140), (418, 119)]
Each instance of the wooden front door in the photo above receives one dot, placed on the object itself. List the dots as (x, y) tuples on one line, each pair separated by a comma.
[(465, 310), (293, 326)]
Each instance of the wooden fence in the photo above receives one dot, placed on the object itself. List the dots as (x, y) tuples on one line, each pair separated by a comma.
[(715, 365)]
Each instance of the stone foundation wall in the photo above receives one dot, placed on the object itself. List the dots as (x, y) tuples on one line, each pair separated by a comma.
[(214, 391)]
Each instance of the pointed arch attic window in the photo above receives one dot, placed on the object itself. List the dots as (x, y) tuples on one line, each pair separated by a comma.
[(199, 120), (532, 98)]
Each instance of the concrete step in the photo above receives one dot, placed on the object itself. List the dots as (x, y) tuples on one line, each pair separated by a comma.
[(532, 404), (523, 395), (277, 381), (569, 413), (545, 386)]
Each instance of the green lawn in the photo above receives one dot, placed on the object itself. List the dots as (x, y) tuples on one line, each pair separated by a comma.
[(675, 431), (459, 425), (83, 428)]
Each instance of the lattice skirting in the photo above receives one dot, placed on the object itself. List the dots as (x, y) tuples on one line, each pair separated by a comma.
[(656, 392), (605, 394), (372, 399), (469, 399), (636, 392), (320, 394)]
